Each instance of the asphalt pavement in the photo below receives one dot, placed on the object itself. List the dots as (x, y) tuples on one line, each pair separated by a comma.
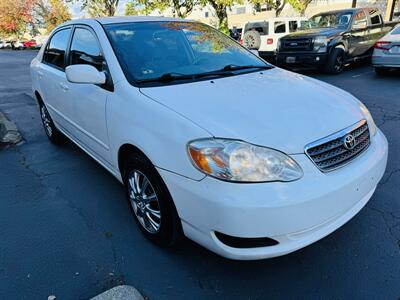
[(66, 229)]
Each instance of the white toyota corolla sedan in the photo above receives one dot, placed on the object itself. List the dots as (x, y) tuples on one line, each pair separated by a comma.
[(210, 141)]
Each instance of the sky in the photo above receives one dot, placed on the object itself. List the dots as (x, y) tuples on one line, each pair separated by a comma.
[(78, 13)]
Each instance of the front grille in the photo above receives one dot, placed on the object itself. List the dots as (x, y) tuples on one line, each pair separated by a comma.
[(299, 44), (331, 152)]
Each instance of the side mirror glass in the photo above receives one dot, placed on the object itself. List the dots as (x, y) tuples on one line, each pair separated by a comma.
[(84, 74)]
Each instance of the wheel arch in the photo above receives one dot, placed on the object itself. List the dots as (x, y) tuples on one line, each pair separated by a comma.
[(124, 151)]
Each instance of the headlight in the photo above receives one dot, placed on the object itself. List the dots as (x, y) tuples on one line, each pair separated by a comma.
[(321, 44), (238, 161), (368, 117)]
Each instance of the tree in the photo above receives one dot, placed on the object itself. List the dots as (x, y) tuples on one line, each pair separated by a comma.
[(130, 9), (98, 8), (15, 16), (300, 5), (145, 7), (220, 7), (52, 13), (276, 5), (183, 8)]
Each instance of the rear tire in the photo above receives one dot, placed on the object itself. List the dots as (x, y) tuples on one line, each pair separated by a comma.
[(151, 203), (54, 135), (382, 71), (336, 61)]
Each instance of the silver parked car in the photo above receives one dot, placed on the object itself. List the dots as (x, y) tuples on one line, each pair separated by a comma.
[(387, 52)]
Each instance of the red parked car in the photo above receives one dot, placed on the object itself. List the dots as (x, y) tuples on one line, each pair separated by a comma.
[(29, 44)]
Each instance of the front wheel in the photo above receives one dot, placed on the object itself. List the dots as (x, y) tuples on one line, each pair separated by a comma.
[(336, 61), (150, 202)]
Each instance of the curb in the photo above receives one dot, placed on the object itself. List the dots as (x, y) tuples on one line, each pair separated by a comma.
[(9, 134), (119, 293)]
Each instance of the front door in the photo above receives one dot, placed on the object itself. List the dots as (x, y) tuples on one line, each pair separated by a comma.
[(90, 100), (359, 37)]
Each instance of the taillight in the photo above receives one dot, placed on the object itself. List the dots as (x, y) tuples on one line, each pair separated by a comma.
[(241, 42), (270, 41), (383, 45)]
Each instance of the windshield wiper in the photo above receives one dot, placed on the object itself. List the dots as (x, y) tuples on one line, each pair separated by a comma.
[(236, 67), (167, 77), (225, 71)]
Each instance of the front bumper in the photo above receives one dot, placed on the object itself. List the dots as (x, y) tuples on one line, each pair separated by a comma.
[(301, 60), (295, 214)]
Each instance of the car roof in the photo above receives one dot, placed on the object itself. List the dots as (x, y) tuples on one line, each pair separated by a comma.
[(277, 19), (130, 19)]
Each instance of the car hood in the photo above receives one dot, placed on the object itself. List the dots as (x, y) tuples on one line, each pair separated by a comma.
[(314, 32), (274, 108)]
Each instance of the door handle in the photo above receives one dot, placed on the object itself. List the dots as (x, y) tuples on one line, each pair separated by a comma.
[(64, 87)]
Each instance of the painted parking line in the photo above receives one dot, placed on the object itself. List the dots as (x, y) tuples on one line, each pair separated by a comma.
[(361, 74)]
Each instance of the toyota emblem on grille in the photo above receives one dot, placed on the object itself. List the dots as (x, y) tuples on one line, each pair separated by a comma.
[(349, 142)]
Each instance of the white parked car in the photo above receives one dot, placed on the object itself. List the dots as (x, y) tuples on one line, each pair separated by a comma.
[(248, 173), (5, 45), (386, 54), (264, 35)]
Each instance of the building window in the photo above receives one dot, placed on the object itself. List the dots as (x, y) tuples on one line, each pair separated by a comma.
[(241, 10), (206, 14)]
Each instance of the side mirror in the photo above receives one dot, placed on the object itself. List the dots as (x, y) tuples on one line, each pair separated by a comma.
[(84, 74), (255, 52), (361, 25)]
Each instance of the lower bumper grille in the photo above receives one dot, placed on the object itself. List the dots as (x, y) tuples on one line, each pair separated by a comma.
[(339, 148)]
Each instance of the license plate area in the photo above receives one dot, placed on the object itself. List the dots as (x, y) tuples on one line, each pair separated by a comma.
[(290, 59)]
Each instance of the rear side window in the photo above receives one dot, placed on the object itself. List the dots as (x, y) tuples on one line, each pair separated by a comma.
[(280, 27), (375, 17), (85, 49), (261, 27), (55, 51), (293, 25)]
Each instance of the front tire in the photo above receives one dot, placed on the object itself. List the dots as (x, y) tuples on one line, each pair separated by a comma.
[(336, 61), (53, 134), (150, 202)]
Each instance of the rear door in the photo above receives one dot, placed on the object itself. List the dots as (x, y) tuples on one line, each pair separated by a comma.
[(53, 82), (89, 100)]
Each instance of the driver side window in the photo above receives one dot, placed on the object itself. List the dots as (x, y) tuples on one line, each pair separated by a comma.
[(86, 50)]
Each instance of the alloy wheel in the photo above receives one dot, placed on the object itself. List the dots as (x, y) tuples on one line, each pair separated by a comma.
[(46, 120), (144, 201)]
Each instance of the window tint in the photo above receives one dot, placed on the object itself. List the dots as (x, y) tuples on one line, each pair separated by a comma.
[(261, 27), (55, 50), (360, 20), (85, 49), (293, 25), (375, 17), (280, 27)]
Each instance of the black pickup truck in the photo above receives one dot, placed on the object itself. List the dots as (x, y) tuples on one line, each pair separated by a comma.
[(333, 39)]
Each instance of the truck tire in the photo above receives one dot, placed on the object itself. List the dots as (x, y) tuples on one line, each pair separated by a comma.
[(336, 61), (252, 40)]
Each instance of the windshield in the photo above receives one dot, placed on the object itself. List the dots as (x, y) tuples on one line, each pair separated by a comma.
[(333, 20), (149, 50)]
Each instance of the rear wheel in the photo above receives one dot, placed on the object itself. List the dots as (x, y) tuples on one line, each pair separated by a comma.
[(381, 71), (54, 135), (150, 202), (336, 61)]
